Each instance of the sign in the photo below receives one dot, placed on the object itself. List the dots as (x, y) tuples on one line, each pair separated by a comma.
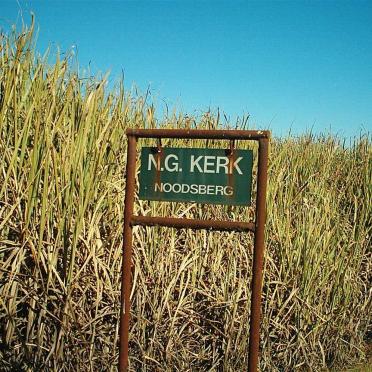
[(197, 175), (215, 176)]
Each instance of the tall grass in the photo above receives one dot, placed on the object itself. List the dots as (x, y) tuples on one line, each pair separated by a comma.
[(63, 151)]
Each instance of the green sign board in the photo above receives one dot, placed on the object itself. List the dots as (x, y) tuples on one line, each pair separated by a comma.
[(215, 176)]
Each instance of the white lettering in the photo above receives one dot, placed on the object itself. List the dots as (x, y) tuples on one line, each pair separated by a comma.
[(167, 187), (236, 165), (175, 164), (194, 189), (202, 189), (209, 162), (185, 188), (158, 187), (179, 187), (219, 190), (211, 190), (154, 161), (195, 163), (229, 190), (222, 162)]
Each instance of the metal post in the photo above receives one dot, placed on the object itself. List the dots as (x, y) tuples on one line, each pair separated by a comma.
[(258, 254), (127, 254)]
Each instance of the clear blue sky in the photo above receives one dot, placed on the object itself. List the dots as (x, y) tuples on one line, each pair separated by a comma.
[(296, 65)]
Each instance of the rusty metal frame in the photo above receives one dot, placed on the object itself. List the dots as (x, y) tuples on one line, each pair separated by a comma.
[(258, 227)]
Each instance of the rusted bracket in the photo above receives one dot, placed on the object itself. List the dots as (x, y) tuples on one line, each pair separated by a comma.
[(232, 147), (159, 146)]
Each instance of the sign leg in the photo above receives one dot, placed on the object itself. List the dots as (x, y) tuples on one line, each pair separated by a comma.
[(126, 279), (258, 255)]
